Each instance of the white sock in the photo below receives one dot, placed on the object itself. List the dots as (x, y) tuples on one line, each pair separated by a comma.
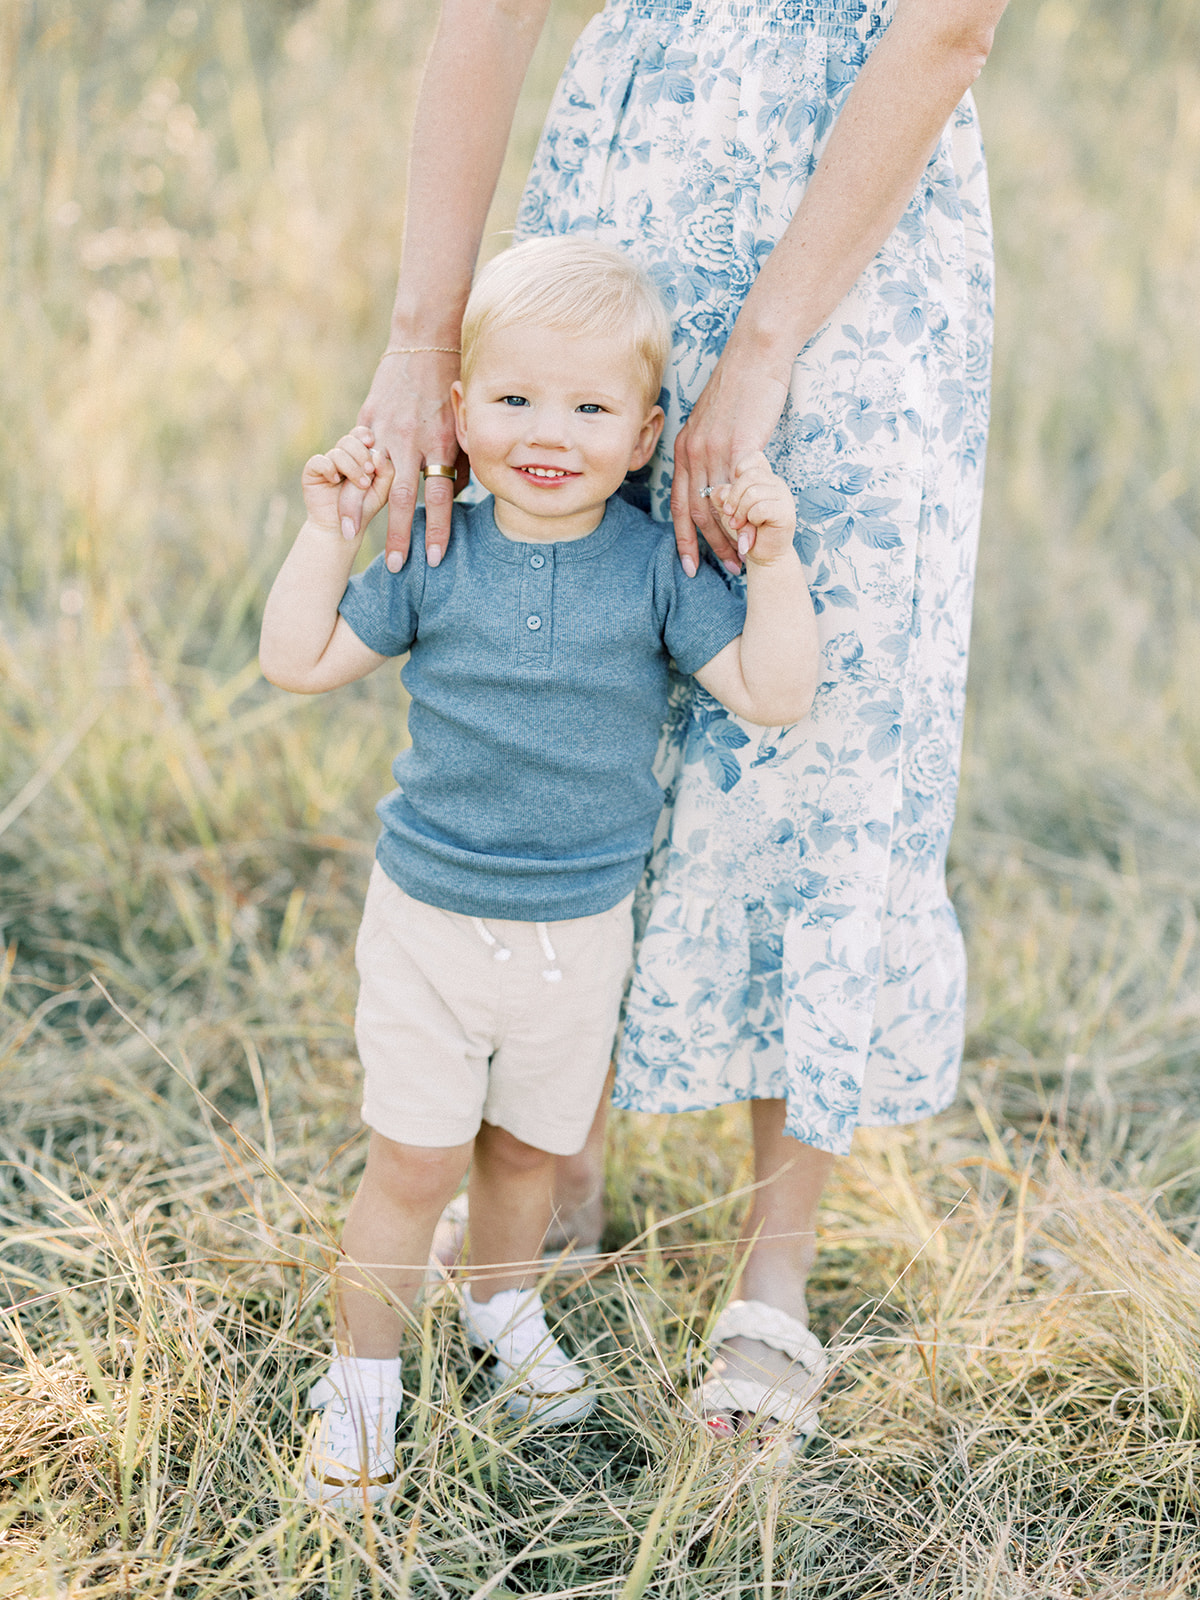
[(508, 1306), (365, 1379)]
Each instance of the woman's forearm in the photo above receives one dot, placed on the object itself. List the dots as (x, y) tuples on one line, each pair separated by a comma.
[(464, 113), (893, 117)]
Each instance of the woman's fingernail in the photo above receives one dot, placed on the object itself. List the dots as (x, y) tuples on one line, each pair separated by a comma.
[(743, 544), (394, 561), (688, 565), (733, 568), (348, 528), (433, 556)]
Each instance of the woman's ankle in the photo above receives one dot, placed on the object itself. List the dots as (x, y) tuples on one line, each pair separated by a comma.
[(785, 1289)]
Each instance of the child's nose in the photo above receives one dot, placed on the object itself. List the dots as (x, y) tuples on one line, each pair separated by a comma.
[(549, 426)]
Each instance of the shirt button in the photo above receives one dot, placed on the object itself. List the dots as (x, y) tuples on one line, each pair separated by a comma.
[(533, 623), (537, 561)]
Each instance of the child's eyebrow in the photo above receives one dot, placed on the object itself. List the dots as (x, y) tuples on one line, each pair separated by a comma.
[(594, 395), (579, 396)]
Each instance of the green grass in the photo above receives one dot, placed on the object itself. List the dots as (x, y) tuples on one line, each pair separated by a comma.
[(202, 209)]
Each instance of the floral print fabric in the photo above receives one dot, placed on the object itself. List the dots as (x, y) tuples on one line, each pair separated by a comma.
[(798, 941)]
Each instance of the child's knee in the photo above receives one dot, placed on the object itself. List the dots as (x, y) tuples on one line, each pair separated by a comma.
[(415, 1175), (502, 1148)]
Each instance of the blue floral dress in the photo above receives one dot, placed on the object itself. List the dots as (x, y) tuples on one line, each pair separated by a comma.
[(798, 940)]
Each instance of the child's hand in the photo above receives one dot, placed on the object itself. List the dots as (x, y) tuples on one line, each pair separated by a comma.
[(756, 510), (352, 458)]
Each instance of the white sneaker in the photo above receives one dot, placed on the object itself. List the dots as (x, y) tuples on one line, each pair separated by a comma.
[(352, 1454), (538, 1378)]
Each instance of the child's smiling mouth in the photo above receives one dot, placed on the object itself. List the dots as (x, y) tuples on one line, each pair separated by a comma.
[(546, 475)]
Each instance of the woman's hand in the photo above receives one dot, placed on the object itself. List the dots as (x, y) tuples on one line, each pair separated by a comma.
[(733, 418), (931, 53), (408, 414)]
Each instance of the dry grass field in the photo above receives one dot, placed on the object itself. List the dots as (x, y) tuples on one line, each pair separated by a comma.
[(201, 208)]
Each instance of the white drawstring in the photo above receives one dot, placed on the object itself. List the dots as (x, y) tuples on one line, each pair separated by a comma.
[(499, 952), (552, 973)]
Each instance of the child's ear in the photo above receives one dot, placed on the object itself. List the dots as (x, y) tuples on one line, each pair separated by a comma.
[(458, 403), (648, 438)]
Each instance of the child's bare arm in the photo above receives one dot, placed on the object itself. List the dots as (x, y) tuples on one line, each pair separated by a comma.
[(769, 673), (305, 645)]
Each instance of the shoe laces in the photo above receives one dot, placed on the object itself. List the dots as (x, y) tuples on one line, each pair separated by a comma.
[(348, 1423), (527, 1341)]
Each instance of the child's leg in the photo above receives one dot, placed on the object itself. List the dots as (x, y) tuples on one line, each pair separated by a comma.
[(552, 1069), (578, 1216), (502, 1312), (561, 1001), (351, 1456), (510, 1192), (386, 1240), (577, 1199)]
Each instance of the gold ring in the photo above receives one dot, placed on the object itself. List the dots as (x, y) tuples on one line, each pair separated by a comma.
[(439, 472)]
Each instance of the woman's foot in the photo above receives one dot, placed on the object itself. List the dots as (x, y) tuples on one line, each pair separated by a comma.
[(766, 1374), (449, 1238)]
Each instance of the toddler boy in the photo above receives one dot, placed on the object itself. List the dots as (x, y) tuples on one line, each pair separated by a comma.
[(497, 936)]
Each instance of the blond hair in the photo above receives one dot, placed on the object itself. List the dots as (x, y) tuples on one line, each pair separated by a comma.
[(574, 286)]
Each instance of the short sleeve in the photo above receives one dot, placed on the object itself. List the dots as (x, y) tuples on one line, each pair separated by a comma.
[(702, 614), (382, 607)]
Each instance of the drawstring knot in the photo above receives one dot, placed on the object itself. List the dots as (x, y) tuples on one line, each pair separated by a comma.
[(499, 951), (552, 973)]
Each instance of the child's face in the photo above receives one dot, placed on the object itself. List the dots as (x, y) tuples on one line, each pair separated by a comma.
[(552, 422)]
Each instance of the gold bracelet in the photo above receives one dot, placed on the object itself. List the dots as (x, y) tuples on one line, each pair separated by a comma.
[(422, 349)]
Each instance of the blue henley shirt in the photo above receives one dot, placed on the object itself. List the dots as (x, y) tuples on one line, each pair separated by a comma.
[(537, 676)]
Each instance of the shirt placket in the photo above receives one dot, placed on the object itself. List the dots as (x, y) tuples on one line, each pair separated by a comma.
[(536, 606)]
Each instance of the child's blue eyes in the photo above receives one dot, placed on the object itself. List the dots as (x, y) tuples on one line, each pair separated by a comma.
[(589, 408)]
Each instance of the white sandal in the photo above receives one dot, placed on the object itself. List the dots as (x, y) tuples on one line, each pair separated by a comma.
[(796, 1411)]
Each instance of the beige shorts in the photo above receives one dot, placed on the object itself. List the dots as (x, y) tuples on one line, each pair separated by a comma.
[(452, 1032)]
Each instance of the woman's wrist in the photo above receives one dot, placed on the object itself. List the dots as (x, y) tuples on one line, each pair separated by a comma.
[(415, 324), (772, 328), (759, 344)]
